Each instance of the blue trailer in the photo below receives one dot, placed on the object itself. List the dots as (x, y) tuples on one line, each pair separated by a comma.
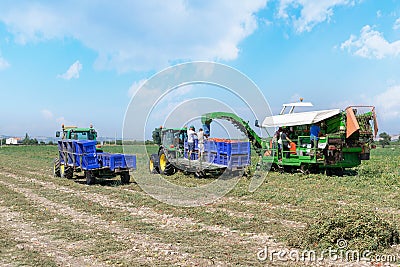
[(82, 156)]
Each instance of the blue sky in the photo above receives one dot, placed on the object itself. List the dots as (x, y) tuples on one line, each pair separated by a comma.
[(80, 62)]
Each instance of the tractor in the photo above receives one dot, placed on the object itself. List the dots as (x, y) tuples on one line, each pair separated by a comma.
[(78, 151), (171, 146), (218, 158)]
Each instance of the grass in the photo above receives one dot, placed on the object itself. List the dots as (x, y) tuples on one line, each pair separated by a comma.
[(285, 206)]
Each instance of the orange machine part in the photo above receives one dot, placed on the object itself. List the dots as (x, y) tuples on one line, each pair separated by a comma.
[(351, 122), (375, 123), (293, 148)]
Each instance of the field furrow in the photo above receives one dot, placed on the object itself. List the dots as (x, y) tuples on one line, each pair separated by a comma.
[(142, 245), (30, 239), (164, 222)]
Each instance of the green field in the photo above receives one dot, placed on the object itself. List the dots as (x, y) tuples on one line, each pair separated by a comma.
[(47, 221)]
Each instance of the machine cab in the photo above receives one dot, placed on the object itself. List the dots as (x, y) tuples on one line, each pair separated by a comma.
[(174, 138), (73, 132)]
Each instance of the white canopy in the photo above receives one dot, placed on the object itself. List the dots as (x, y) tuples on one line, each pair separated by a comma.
[(298, 104), (293, 105), (299, 118)]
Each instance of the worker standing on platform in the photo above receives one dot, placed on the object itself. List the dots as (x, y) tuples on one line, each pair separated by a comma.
[(200, 138), (314, 134), (191, 136)]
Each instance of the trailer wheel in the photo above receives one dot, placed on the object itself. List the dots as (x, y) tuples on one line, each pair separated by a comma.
[(68, 172), (125, 178), (166, 167), (154, 164), (56, 168), (90, 179)]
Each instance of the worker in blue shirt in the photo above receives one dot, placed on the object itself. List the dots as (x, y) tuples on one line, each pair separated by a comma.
[(314, 134)]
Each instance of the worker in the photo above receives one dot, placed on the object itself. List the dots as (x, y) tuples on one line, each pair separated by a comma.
[(314, 134), (191, 136), (276, 137), (285, 141), (200, 137)]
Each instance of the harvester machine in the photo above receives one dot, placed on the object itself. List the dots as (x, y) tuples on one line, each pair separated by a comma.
[(345, 139)]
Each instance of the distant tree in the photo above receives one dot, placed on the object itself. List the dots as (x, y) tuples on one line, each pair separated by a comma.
[(42, 143), (50, 143), (149, 142), (26, 140), (385, 139), (33, 141)]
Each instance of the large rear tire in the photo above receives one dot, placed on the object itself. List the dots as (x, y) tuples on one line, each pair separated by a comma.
[(56, 168), (154, 164), (68, 172), (166, 167)]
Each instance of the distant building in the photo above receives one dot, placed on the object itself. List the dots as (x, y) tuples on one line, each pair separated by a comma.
[(13, 141)]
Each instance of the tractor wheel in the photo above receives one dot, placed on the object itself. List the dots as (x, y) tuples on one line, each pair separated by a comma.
[(56, 168), (62, 170), (166, 167), (154, 164), (125, 178), (90, 179), (68, 172)]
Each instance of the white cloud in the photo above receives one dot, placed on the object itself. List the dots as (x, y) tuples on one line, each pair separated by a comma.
[(62, 120), (388, 103), (371, 44), (135, 87), (72, 72), (47, 114), (312, 12), (396, 24), (138, 35), (378, 14), (3, 64)]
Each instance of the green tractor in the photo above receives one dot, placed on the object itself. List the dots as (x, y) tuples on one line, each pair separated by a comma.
[(75, 133), (171, 146), (72, 133), (78, 152)]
